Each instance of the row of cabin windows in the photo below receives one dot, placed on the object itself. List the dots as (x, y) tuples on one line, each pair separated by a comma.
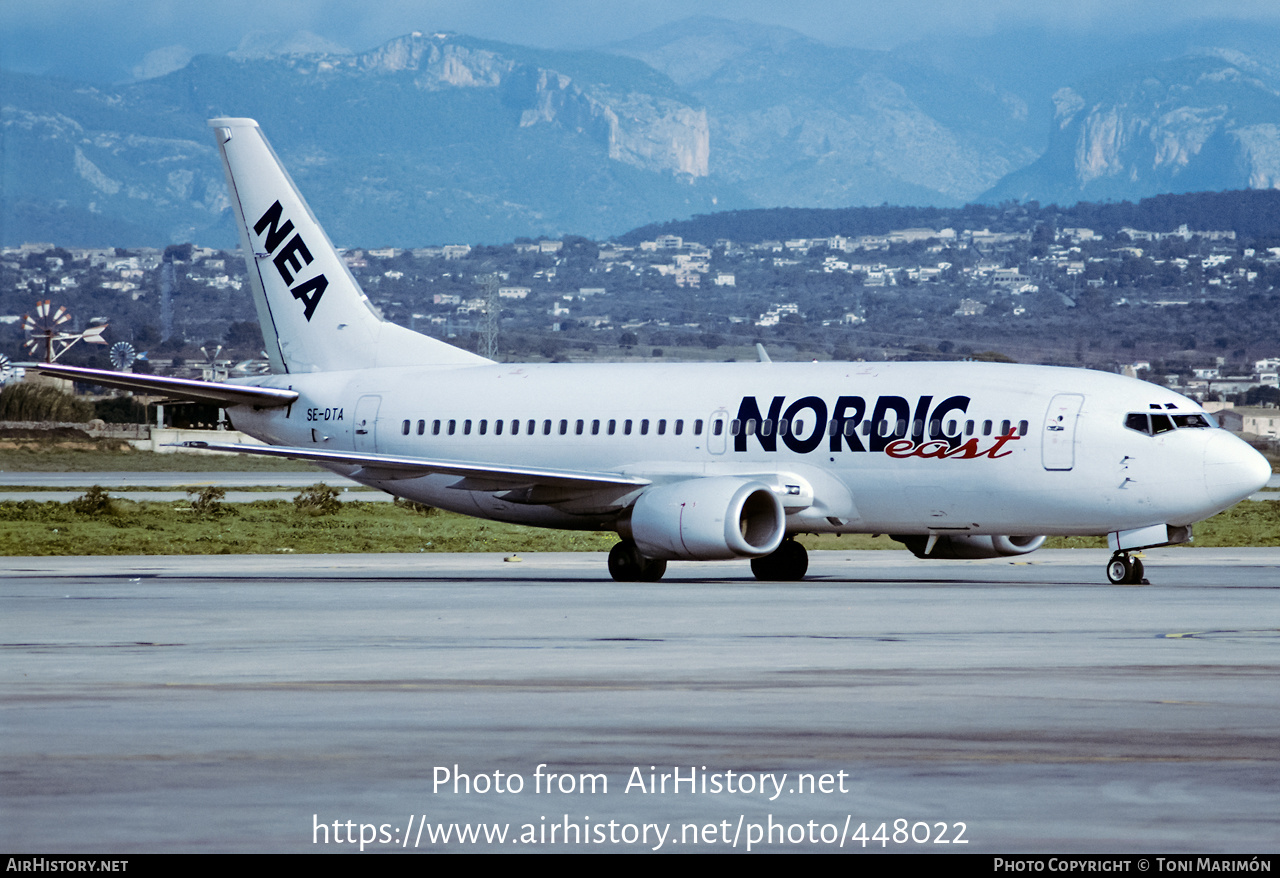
[(450, 427), (751, 427)]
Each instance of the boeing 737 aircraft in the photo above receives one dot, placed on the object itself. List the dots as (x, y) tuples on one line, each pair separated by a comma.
[(700, 462)]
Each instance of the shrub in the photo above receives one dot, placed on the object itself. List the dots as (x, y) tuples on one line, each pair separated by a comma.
[(208, 501), (420, 508), (27, 401), (319, 499), (94, 502)]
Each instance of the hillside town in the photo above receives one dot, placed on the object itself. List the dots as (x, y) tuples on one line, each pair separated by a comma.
[(1192, 309)]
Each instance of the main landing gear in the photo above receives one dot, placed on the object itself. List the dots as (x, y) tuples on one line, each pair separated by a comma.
[(788, 563), (626, 564), (1124, 569)]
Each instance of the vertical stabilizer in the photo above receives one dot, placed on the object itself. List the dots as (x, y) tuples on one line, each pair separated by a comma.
[(313, 314)]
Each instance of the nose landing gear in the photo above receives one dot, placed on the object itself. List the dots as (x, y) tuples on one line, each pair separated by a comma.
[(1124, 569)]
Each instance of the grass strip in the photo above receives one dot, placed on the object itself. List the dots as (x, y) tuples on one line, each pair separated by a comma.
[(119, 526)]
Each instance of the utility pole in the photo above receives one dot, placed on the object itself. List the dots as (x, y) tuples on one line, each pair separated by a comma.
[(489, 326)]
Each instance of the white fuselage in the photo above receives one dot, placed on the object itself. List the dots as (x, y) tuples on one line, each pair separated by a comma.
[(904, 448)]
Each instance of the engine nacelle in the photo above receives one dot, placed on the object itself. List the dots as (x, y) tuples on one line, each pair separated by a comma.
[(966, 546), (708, 520)]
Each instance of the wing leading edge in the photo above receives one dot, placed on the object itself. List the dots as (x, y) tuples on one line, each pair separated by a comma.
[(479, 476), (176, 388)]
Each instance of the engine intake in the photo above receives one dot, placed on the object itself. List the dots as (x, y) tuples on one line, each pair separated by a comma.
[(708, 519)]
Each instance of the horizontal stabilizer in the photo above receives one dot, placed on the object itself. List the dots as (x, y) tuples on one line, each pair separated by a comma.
[(175, 388), (389, 467)]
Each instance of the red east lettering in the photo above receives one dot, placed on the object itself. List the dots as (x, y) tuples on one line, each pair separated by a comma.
[(932, 449), (938, 450), (905, 446), (1011, 436), (967, 451)]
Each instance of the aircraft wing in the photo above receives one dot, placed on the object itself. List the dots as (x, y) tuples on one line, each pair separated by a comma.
[(175, 388), (477, 476)]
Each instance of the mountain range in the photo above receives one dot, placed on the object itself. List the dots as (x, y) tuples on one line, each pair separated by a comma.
[(441, 138)]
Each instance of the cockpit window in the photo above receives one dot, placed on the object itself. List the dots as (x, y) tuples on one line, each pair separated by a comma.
[(1154, 423)]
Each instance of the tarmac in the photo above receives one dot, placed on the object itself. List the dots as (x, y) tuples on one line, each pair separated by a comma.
[(302, 703)]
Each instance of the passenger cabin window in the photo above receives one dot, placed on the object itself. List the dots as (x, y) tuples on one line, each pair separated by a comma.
[(422, 427), (435, 427), (484, 426), (404, 428), (453, 426), (679, 426)]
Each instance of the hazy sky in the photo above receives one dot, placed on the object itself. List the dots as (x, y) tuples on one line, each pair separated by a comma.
[(115, 40)]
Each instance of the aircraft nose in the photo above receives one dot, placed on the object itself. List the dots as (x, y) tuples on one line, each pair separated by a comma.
[(1233, 470)]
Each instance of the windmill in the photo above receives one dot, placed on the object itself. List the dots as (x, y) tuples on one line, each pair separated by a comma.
[(6, 369), (213, 369), (123, 356), (45, 329)]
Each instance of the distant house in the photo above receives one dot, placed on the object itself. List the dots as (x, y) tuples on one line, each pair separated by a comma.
[(970, 308), (1252, 420)]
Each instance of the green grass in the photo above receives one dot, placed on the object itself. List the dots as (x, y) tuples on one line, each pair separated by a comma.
[(33, 456), (31, 527), (126, 527), (1251, 523)]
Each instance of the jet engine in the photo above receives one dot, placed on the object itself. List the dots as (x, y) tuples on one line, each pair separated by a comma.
[(966, 546), (707, 520)]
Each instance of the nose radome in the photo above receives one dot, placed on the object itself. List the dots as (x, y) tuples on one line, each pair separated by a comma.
[(1233, 470)]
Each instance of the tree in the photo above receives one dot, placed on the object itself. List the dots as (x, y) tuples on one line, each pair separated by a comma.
[(41, 402)]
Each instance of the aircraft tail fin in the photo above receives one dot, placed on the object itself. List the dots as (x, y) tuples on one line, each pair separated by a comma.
[(313, 314)]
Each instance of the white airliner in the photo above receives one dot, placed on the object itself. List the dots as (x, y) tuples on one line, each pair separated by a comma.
[(700, 462)]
